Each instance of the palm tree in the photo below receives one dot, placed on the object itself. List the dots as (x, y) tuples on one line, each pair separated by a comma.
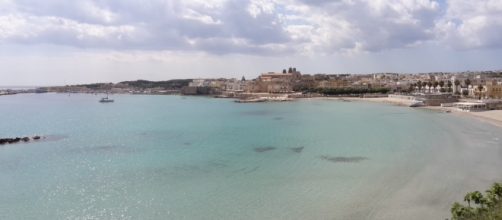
[(441, 83), (467, 82), (419, 84), (412, 87), (457, 210), (491, 199), (496, 189), (435, 85), (456, 83), (429, 84), (480, 89), (477, 198), (449, 84), (468, 198)]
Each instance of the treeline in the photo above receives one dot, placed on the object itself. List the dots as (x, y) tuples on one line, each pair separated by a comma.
[(346, 91), (170, 84), (487, 206), (97, 85)]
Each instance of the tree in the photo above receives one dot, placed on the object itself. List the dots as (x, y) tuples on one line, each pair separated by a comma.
[(290, 70), (243, 79), (467, 82), (429, 84), (497, 190), (456, 210), (480, 90), (294, 69), (284, 71), (419, 84), (435, 85), (477, 198), (489, 205), (491, 199), (449, 84), (459, 211), (441, 83), (411, 87), (468, 199), (457, 83)]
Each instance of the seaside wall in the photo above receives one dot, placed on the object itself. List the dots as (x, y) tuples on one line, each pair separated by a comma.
[(429, 99)]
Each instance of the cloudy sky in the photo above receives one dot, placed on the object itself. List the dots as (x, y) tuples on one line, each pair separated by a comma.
[(53, 42)]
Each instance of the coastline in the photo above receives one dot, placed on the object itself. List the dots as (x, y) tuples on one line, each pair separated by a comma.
[(493, 117)]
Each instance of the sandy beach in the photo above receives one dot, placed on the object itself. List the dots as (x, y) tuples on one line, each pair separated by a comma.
[(493, 116), (387, 100)]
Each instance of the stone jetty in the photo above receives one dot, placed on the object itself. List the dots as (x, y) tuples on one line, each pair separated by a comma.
[(18, 140)]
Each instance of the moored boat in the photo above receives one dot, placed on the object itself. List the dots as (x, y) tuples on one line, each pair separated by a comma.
[(106, 99)]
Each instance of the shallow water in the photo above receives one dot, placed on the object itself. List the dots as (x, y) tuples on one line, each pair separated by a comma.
[(172, 157)]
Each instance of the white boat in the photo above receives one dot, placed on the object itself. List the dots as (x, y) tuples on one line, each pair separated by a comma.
[(417, 104), (106, 99)]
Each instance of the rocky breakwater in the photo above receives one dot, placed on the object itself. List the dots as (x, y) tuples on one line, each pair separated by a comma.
[(19, 140)]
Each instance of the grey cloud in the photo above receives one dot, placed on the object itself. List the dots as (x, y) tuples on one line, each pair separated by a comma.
[(391, 26), (229, 27), (471, 24), (158, 25)]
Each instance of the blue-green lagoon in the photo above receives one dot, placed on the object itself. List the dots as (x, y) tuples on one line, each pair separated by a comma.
[(178, 157)]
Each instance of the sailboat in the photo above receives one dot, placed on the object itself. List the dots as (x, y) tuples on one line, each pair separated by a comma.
[(106, 99)]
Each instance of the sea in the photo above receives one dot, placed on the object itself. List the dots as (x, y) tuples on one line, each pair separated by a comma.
[(185, 157)]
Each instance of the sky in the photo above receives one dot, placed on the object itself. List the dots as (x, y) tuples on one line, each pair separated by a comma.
[(59, 42)]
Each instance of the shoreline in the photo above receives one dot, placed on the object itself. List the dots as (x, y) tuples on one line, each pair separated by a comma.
[(493, 117)]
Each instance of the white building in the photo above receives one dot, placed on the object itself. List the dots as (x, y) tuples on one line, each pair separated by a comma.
[(199, 83)]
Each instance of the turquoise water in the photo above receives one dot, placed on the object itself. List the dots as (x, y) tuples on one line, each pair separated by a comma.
[(175, 157)]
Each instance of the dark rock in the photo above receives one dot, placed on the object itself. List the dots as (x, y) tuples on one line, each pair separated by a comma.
[(263, 149), (297, 149), (13, 140), (17, 139)]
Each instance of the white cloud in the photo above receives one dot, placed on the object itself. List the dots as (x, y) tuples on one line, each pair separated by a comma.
[(472, 24), (252, 26), (363, 25), (22, 28)]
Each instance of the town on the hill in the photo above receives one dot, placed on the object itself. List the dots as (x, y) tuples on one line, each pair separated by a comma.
[(466, 91)]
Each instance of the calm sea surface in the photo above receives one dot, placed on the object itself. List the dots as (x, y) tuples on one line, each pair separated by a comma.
[(176, 157)]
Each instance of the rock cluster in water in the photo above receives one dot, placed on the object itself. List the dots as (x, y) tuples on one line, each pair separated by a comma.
[(18, 140)]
